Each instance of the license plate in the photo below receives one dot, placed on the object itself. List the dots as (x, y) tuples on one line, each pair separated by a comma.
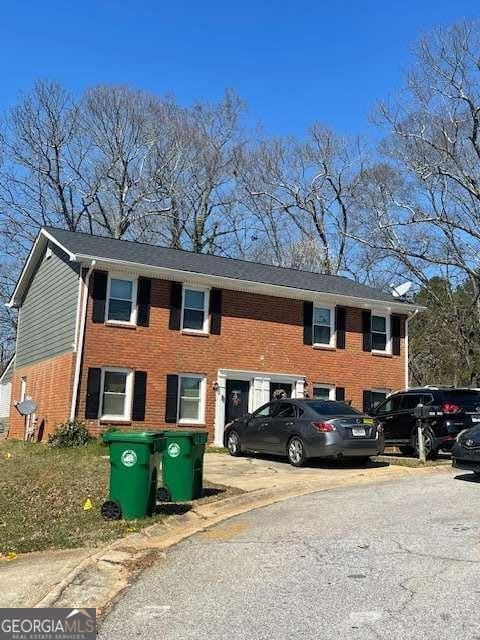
[(358, 431), (475, 418), (367, 421)]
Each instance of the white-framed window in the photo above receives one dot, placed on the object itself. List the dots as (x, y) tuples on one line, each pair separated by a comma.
[(324, 391), (191, 398), (195, 302), (380, 333), (323, 326), (121, 304), (116, 394)]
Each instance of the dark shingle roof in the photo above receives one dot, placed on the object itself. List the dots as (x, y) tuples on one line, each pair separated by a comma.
[(145, 254)]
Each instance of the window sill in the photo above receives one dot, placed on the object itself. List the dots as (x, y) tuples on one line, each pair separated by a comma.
[(191, 424), (325, 347), (382, 354), (124, 325), (192, 332), (115, 421)]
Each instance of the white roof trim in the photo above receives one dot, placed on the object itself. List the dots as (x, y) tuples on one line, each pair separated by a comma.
[(35, 251), (250, 286), (7, 368), (224, 282), (52, 239)]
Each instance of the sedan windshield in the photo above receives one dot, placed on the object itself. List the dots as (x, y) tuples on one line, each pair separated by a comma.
[(332, 408)]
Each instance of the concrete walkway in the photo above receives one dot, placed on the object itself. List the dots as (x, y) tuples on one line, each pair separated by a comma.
[(93, 577)]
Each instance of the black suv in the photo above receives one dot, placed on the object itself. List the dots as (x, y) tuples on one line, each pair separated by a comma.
[(460, 410)]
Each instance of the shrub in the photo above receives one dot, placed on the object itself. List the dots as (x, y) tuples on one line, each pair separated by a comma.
[(69, 434)]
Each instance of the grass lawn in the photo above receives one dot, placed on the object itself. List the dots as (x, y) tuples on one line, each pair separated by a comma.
[(42, 492)]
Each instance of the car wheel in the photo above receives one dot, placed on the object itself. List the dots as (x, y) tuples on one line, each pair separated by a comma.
[(407, 450), (431, 451), (233, 444), (296, 452)]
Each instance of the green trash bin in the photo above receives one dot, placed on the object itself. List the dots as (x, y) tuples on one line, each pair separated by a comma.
[(182, 464), (135, 460)]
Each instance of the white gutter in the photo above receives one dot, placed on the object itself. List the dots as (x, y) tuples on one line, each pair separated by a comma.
[(263, 288), (225, 282), (80, 339)]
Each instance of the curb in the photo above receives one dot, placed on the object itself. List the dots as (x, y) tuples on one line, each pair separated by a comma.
[(98, 580)]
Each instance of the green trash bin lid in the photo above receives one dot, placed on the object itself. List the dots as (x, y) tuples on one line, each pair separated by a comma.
[(139, 437), (199, 436)]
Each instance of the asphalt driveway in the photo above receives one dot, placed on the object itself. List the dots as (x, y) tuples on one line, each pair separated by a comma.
[(395, 560)]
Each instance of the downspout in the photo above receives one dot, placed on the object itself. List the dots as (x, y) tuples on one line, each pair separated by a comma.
[(407, 320), (81, 336)]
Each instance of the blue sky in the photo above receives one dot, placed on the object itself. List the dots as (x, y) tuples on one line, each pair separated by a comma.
[(293, 62)]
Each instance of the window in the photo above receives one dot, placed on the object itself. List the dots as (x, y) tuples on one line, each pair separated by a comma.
[(390, 405), (323, 326), (116, 394), (191, 399), (285, 410), (195, 310), (380, 333), (411, 400), (324, 391), (121, 295), (265, 411), (332, 408), (378, 397)]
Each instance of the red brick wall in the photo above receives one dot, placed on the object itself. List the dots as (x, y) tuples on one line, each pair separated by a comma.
[(259, 333), (49, 383)]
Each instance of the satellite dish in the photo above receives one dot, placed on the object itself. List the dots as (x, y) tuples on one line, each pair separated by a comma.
[(26, 407), (401, 290)]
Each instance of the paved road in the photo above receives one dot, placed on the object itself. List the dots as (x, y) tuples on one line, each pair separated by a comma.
[(398, 561)]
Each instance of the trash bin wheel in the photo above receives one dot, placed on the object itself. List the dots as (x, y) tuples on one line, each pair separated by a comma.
[(111, 510), (163, 495)]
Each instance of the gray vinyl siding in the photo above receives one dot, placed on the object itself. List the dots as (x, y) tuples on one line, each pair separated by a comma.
[(47, 316)]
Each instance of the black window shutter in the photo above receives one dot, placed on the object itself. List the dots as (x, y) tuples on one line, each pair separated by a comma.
[(92, 404), (340, 317), (367, 400), (340, 394), (144, 292), (216, 311), (396, 334), (367, 330), (99, 295), (172, 398), (307, 323), (139, 396), (175, 306)]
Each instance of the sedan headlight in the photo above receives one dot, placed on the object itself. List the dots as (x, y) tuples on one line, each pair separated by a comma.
[(457, 439)]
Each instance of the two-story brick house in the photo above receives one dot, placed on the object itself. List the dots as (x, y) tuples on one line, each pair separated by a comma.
[(121, 333)]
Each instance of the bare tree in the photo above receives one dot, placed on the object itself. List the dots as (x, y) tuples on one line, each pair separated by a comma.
[(303, 196), (43, 158), (205, 193), (130, 140), (421, 206)]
